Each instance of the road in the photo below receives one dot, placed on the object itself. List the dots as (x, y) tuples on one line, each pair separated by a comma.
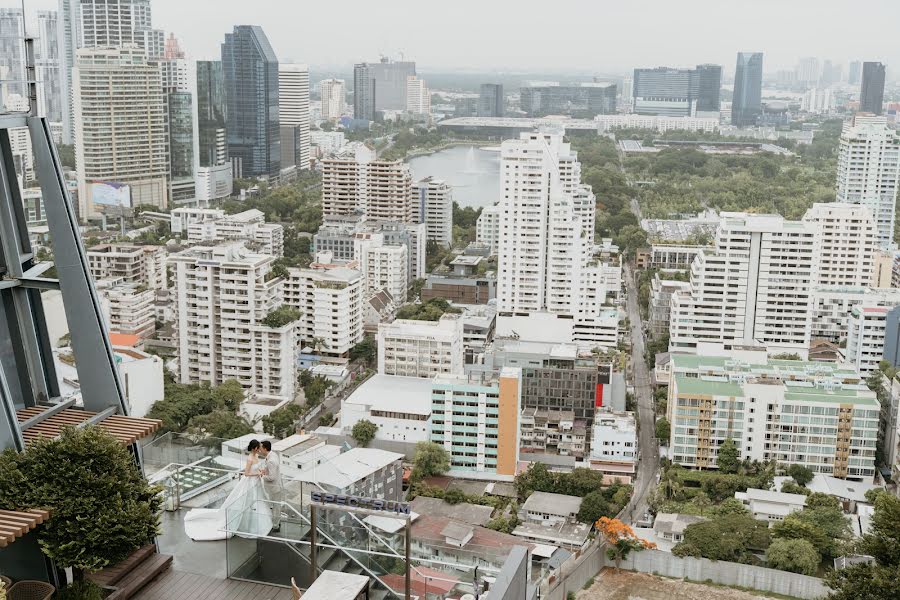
[(648, 463)]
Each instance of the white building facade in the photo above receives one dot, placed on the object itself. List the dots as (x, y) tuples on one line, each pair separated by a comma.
[(333, 93), (421, 348), (293, 114), (435, 199), (869, 170)]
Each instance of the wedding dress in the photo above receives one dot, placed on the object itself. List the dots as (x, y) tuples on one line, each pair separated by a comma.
[(245, 513)]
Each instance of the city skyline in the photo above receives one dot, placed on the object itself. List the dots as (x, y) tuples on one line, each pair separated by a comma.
[(589, 44)]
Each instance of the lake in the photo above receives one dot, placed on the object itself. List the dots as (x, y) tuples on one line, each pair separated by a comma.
[(473, 172)]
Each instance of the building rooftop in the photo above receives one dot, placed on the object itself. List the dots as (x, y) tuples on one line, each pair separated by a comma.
[(796, 391), (758, 495), (552, 504), (772, 367), (473, 514), (392, 393), (834, 486), (465, 260), (352, 466), (674, 522)]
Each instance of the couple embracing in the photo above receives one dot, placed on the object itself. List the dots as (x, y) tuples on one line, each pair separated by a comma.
[(252, 509)]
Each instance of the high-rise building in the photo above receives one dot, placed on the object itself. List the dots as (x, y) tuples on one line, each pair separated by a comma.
[(47, 65), (871, 94), (69, 22), (756, 285), (330, 301), (587, 100), (249, 225), (709, 86), (418, 98), (333, 94), (487, 228), (110, 23), (12, 55), (677, 92), (491, 102), (390, 82), (363, 92), (848, 241), (140, 265), (854, 72), (223, 295), (869, 170), (545, 214), (355, 182), (384, 267), (293, 110), (746, 103), (436, 209), (250, 68), (214, 176), (808, 70), (121, 130), (178, 84)]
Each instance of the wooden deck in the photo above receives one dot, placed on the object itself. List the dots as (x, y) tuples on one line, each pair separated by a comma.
[(180, 585)]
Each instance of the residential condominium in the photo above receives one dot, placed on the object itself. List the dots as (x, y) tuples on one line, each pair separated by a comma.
[(121, 131), (814, 414), (383, 267), (332, 93), (869, 170), (476, 420), (421, 348), (435, 208), (848, 243), (249, 225), (554, 431), (487, 228), (661, 290), (330, 300), (418, 97), (866, 337), (223, 294), (832, 306), (128, 307), (756, 285), (355, 182), (143, 265), (546, 270)]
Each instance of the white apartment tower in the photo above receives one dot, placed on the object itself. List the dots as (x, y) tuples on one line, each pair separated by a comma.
[(848, 242), (140, 265), (355, 182), (332, 92), (418, 98), (293, 114), (223, 294), (546, 224), (869, 170), (435, 204), (330, 300), (121, 130), (383, 267), (487, 228), (756, 285)]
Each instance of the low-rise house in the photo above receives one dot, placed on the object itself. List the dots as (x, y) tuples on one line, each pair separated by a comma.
[(553, 431), (471, 514), (770, 506), (547, 518), (400, 406), (614, 446), (670, 527)]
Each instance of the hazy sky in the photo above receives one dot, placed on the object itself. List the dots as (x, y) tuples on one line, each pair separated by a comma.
[(579, 35)]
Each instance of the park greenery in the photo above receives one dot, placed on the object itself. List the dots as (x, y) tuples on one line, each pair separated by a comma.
[(464, 220), (298, 204), (684, 181), (220, 424), (430, 310), (102, 507), (598, 499)]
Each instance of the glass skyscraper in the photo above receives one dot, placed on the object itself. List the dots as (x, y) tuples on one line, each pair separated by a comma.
[(491, 102), (363, 92), (709, 84), (871, 94), (211, 113), (746, 104), (250, 70)]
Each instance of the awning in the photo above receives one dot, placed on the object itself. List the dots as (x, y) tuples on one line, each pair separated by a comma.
[(14, 524), (127, 430)]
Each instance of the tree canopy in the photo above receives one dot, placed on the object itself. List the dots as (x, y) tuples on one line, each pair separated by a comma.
[(430, 459), (728, 458), (729, 537), (364, 432), (102, 506), (796, 556), (430, 310), (183, 402)]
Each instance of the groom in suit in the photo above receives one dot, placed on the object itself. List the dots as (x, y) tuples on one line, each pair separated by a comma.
[(272, 483)]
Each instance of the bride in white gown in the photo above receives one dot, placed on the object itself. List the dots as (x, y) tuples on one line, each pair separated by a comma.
[(245, 512)]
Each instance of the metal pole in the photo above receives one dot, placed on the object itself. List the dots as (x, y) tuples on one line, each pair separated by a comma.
[(408, 594), (314, 542)]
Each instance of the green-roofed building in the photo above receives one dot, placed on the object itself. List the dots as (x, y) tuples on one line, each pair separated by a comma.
[(819, 415)]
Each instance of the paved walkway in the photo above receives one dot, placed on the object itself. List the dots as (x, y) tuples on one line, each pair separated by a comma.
[(180, 585)]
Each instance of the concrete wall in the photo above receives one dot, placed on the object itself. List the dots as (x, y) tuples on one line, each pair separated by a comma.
[(576, 573), (725, 573), (512, 581)]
